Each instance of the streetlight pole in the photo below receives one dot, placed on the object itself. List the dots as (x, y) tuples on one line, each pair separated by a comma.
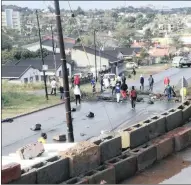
[(64, 73), (42, 58), (53, 49), (95, 54)]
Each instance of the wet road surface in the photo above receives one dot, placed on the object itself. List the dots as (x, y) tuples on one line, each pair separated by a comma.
[(175, 169), (108, 116)]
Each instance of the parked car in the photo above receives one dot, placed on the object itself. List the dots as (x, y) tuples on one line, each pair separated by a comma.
[(131, 65), (181, 62)]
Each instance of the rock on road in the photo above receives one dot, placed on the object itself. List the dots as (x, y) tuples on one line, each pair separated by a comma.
[(108, 116)]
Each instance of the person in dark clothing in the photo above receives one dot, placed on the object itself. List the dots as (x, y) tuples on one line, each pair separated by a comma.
[(72, 82), (123, 78), (124, 88), (61, 92), (134, 72), (142, 83), (93, 83), (133, 97), (169, 91), (151, 83), (101, 83)]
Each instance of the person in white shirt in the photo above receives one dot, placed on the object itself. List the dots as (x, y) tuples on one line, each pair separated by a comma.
[(53, 86), (77, 94), (119, 79)]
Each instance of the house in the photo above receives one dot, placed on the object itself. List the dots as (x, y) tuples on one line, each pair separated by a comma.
[(158, 53), (49, 61), (47, 44), (20, 74), (85, 56)]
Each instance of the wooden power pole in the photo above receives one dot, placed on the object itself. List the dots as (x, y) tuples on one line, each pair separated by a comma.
[(64, 72)]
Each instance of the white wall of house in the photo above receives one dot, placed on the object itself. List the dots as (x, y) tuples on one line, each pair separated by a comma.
[(31, 75), (81, 60), (59, 70)]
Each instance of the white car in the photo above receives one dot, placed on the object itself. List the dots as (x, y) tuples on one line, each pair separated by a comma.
[(131, 65)]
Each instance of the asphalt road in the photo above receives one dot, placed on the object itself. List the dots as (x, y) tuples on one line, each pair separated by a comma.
[(108, 116)]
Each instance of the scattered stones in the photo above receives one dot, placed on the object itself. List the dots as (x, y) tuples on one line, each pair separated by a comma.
[(90, 115), (36, 127), (82, 134), (150, 102), (73, 109), (139, 99), (61, 137), (31, 151)]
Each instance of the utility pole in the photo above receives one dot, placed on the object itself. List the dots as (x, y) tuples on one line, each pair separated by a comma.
[(95, 54), (53, 49), (42, 58), (64, 72)]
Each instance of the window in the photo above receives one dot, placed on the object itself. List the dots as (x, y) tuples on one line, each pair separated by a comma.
[(25, 80), (37, 78)]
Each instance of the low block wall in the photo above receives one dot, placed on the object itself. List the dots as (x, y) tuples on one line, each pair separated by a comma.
[(186, 111)]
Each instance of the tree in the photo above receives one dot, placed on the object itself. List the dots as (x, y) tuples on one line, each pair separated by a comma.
[(79, 11), (177, 42), (45, 52), (143, 54)]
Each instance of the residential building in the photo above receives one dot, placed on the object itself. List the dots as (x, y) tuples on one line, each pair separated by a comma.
[(36, 63), (47, 44), (11, 19), (20, 74)]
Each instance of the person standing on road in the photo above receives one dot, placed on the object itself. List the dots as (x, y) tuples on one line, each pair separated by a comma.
[(166, 82), (123, 78), (142, 83), (113, 84), (119, 79), (101, 82), (77, 80), (93, 83), (134, 72), (133, 97), (61, 92), (77, 94), (72, 82), (53, 86), (124, 88), (151, 83), (117, 91)]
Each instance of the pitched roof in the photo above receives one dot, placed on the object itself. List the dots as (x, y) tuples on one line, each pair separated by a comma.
[(37, 62), (13, 71), (159, 52), (92, 51), (129, 51)]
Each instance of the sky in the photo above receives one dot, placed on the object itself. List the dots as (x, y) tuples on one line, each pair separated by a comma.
[(98, 4)]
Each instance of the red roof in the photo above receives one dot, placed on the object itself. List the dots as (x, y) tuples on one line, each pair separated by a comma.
[(159, 52)]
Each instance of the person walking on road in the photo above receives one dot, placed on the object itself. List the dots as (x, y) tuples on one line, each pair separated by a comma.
[(53, 86), (119, 79), (169, 92), (101, 82), (77, 94), (142, 83), (166, 82), (123, 78), (93, 83), (151, 83), (72, 82), (77, 80), (117, 91), (124, 88), (133, 97), (61, 92)]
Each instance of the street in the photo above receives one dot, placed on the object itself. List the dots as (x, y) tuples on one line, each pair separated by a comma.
[(108, 116)]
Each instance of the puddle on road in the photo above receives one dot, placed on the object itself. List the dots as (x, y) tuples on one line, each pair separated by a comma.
[(161, 171)]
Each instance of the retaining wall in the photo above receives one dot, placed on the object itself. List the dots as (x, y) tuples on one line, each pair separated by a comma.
[(112, 158)]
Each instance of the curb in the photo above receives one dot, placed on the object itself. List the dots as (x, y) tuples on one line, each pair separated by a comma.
[(21, 115)]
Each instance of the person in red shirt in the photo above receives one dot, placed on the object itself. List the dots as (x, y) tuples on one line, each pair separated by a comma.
[(77, 80), (166, 81), (133, 97)]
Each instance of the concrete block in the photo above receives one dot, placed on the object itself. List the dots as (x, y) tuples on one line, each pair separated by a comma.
[(53, 172), (83, 157), (135, 135), (76, 180), (174, 119), (104, 172), (156, 126), (31, 151), (164, 146), (61, 137), (182, 139), (10, 172), (27, 177), (146, 156), (125, 166), (109, 147), (186, 111)]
